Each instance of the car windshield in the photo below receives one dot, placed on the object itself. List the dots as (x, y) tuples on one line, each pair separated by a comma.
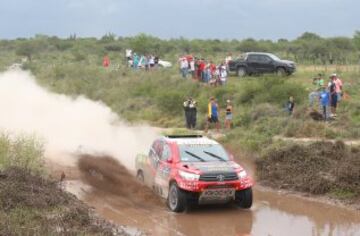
[(202, 153), (274, 57)]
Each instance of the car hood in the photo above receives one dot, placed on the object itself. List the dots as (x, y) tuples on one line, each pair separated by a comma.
[(287, 62), (212, 167)]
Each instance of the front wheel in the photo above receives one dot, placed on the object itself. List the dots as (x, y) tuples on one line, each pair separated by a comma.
[(244, 198), (176, 199), (280, 71)]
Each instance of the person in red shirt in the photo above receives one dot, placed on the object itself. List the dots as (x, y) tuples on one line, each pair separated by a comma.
[(106, 61), (202, 66)]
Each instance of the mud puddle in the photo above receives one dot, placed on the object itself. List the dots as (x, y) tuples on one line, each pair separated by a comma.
[(118, 197)]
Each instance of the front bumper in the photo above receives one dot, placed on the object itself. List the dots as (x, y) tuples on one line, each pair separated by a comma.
[(201, 186)]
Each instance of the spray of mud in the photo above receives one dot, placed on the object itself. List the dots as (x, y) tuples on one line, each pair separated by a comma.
[(68, 125), (107, 175)]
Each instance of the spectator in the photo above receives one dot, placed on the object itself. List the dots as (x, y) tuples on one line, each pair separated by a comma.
[(338, 87), (190, 113), (290, 105), (223, 74), (106, 61), (318, 83), (325, 101), (151, 61), (229, 114), (227, 60), (192, 68), (202, 67), (213, 115), (184, 66), (333, 95), (135, 61)]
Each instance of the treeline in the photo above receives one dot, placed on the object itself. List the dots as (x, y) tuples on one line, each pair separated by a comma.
[(309, 48)]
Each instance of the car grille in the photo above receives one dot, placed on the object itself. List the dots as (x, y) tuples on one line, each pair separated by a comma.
[(214, 177)]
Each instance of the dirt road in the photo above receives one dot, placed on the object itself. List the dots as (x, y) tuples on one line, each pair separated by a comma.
[(112, 191)]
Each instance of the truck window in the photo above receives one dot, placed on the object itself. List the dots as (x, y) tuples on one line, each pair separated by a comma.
[(265, 59), (253, 58)]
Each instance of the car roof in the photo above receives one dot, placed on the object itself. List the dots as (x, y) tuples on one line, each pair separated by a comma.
[(190, 140), (259, 53)]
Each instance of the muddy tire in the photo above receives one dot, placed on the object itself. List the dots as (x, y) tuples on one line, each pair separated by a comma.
[(241, 72), (140, 176), (244, 198), (280, 71), (176, 200)]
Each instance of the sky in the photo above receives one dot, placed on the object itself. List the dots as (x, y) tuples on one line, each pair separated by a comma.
[(214, 19)]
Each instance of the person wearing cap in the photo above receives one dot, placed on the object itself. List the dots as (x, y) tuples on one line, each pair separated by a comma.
[(213, 115), (229, 114)]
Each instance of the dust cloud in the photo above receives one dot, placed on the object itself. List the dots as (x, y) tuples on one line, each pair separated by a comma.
[(68, 125)]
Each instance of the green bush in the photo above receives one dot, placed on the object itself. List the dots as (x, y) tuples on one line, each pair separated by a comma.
[(21, 151)]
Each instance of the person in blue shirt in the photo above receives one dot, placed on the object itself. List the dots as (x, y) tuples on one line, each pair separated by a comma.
[(213, 115), (325, 102)]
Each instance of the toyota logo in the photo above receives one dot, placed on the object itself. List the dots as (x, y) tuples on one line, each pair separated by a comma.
[(220, 177)]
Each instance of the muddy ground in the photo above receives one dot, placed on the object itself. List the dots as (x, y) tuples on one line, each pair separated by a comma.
[(117, 196), (320, 168), (33, 205)]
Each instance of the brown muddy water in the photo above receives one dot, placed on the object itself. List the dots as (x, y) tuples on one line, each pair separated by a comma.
[(273, 213)]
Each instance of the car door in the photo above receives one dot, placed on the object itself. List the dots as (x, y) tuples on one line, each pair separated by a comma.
[(152, 164), (267, 64), (164, 169), (254, 65)]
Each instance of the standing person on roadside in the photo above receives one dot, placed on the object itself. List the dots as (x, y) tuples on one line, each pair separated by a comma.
[(333, 95), (213, 115), (290, 105), (325, 101), (318, 83), (338, 87), (192, 67), (227, 60), (184, 67), (229, 114), (187, 112), (135, 61), (106, 61), (190, 113)]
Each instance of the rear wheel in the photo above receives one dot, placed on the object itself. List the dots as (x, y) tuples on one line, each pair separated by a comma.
[(176, 199), (244, 198), (241, 72)]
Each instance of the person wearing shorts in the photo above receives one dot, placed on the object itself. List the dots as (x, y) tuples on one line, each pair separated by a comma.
[(213, 115)]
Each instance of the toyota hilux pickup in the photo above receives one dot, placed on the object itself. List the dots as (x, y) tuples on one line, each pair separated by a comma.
[(191, 169)]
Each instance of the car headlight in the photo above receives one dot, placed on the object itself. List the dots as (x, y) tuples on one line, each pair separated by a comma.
[(188, 176), (242, 174)]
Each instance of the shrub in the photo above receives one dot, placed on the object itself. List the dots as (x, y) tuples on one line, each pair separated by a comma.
[(21, 151)]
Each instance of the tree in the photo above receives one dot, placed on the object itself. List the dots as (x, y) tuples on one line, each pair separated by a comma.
[(357, 39)]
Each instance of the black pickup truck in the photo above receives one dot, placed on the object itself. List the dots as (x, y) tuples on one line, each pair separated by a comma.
[(251, 63)]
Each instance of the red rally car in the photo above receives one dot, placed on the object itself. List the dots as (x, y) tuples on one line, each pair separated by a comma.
[(194, 169)]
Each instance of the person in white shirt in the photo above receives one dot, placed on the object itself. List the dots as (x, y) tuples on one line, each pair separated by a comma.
[(184, 67)]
